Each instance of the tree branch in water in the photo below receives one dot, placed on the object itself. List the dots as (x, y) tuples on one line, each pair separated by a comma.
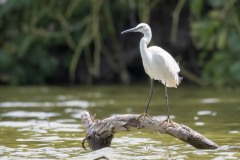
[(99, 133)]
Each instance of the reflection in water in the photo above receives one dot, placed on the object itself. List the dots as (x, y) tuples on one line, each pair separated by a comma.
[(75, 103), (50, 126), (203, 113), (199, 123), (210, 100), (39, 115)]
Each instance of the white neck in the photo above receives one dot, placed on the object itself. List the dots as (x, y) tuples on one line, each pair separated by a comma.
[(145, 41), (148, 36)]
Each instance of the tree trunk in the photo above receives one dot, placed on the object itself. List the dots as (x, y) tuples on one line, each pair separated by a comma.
[(99, 133)]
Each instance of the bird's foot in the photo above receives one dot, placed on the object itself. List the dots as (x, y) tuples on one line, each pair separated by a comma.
[(168, 121), (143, 115)]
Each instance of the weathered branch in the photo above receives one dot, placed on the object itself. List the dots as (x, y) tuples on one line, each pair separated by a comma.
[(99, 133)]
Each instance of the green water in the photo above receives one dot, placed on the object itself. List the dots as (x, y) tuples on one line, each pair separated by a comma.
[(44, 122)]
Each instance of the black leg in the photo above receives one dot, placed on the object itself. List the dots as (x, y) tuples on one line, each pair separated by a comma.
[(168, 118), (166, 95), (150, 96)]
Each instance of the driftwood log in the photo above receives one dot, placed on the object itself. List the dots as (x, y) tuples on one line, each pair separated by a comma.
[(99, 133)]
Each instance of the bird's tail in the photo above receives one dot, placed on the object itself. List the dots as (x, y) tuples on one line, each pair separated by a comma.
[(179, 80)]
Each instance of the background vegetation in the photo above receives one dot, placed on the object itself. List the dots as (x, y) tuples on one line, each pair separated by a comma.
[(79, 41)]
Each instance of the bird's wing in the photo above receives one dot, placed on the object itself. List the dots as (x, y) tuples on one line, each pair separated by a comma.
[(165, 67), (164, 57)]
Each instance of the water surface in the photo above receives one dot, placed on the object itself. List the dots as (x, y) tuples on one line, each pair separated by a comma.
[(44, 122)]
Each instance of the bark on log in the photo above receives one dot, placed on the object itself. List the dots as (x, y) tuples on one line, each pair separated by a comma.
[(99, 133)]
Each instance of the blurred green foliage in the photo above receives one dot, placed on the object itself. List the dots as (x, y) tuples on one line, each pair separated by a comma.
[(216, 33), (40, 37), (44, 41), (25, 57)]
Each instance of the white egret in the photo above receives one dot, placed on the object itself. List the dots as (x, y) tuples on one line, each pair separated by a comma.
[(158, 64)]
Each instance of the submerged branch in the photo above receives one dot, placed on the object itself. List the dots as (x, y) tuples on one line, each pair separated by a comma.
[(99, 133)]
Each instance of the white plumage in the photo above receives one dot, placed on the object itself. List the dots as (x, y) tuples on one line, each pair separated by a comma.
[(157, 63), (160, 65)]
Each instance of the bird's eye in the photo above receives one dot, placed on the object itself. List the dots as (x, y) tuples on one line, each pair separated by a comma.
[(140, 27)]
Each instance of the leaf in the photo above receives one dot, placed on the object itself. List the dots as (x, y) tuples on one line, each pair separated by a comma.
[(233, 41), (5, 60), (25, 46), (217, 68), (235, 70), (216, 14), (196, 7), (216, 3), (221, 41)]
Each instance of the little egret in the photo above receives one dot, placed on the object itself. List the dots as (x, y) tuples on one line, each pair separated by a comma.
[(158, 64)]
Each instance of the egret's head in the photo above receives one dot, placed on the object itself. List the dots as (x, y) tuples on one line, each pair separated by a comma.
[(142, 27)]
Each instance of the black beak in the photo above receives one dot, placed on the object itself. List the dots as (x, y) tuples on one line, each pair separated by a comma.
[(130, 30)]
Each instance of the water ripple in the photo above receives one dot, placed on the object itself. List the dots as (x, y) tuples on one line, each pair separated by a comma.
[(72, 103), (210, 100), (40, 115)]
